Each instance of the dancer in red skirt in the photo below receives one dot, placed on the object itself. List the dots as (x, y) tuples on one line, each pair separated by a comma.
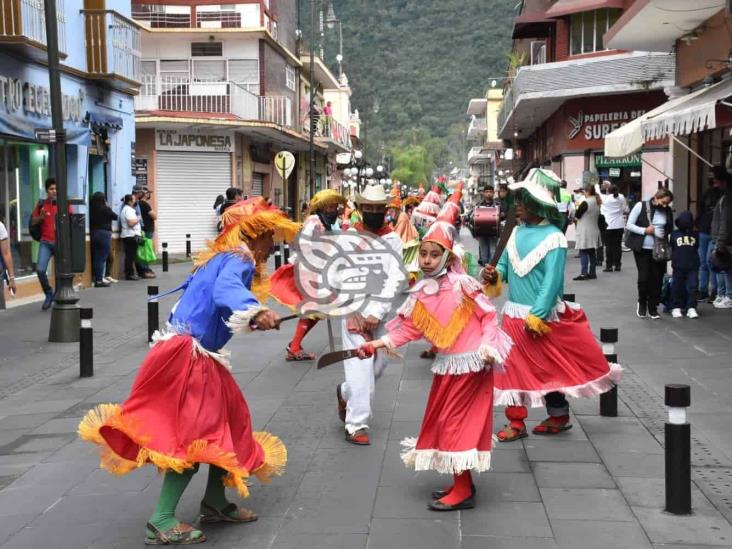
[(448, 308), (554, 353), (185, 407)]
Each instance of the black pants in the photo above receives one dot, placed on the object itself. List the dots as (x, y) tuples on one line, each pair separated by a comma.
[(600, 252), (130, 245), (556, 404), (614, 247), (650, 278)]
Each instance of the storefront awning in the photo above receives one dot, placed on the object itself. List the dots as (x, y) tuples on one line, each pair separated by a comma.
[(98, 119), (568, 7), (23, 129), (630, 138)]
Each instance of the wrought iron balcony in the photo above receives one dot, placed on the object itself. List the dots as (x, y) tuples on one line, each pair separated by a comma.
[(328, 128), (112, 46), (24, 22)]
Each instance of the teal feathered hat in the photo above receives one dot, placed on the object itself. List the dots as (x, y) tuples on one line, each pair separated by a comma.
[(539, 193)]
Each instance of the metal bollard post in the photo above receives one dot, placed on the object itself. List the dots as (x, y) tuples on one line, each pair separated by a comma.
[(86, 343), (568, 297), (152, 313), (286, 256), (165, 257), (188, 245), (609, 399), (277, 256), (677, 448)]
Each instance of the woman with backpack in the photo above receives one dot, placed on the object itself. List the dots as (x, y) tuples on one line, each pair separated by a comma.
[(650, 224)]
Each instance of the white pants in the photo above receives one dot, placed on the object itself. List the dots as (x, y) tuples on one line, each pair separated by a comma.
[(361, 376)]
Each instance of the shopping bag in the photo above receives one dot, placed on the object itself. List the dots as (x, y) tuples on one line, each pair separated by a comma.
[(145, 251)]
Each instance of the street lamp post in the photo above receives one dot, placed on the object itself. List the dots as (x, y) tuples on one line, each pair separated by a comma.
[(65, 314)]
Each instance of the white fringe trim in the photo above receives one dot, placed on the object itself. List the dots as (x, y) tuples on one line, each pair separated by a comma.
[(535, 399), (222, 357), (519, 310), (455, 364), (388, 343), (449, 463), (524, 266), (240, 321)]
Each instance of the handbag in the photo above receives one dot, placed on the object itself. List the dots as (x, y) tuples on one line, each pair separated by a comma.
[(34, 229), (145, 251), (661, 250)]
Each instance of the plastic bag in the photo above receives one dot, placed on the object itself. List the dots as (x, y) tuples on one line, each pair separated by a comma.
[(145, 251)]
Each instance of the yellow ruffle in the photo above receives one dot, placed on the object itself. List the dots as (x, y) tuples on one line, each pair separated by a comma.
[(537, 325), (199, 451), (437, 334), (494, 290)]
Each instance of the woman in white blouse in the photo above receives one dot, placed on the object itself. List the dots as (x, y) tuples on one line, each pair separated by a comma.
[(613, 208), (130, 233)]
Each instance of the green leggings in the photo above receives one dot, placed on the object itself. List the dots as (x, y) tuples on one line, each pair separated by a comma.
[(174, 484)]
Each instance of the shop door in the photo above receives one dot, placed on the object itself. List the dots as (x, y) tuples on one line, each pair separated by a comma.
[(257, 184), (97, 175), (187, 185)]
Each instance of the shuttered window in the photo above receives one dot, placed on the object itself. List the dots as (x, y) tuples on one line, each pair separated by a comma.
[(257, 184)]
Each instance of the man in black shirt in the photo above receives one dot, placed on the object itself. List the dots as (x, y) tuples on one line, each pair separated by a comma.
[(148, 217), (486, 243), (707, 280)]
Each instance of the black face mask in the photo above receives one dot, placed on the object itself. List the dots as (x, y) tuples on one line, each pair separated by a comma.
[(373, 220), (329, 218)]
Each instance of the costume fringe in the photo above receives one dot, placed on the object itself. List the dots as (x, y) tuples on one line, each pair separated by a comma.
[(452, 463), (519, 310), (465, 363), (494, 290), (535, 399), (198, 451), (537, 325), (523, 266), (222, 357), (434, 332), (239, 321)]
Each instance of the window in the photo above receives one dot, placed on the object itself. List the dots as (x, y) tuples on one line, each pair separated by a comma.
[(245, 72), (209, 70), (290, 77), (207, 49), (538, 52), (173, 73), (586, 30), (148, 75)]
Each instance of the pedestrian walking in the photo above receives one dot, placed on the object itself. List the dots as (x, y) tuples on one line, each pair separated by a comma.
[(185, 407), (685, 263), (565, 201), (486, 243), (554, 352), (588, 233), (130, 231), (649, 225), (708, 279), (613, 209), (721, 233), (448, 308), (7, 271), (100, 227), (355, 394)]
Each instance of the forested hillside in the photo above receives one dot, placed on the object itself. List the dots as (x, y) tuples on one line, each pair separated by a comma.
[(419, 61)]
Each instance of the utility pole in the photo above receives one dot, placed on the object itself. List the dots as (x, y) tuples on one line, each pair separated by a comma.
[(311, 144), (65, 314)]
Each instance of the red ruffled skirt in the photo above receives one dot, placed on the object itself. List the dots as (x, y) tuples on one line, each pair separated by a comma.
[(457, 429), (568, 360), (185, 407)]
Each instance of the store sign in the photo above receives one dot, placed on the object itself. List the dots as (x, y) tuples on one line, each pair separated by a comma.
[(17, 95), (614, 172), (630, 161), (594, 126), (186, 140)]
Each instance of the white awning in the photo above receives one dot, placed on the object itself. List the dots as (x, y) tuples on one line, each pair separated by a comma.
[(689, 113)]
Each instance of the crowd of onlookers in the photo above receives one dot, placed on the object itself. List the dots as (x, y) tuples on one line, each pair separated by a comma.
[(698, 247)]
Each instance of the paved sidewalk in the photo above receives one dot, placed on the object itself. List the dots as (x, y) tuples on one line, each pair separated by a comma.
[(597, 485)]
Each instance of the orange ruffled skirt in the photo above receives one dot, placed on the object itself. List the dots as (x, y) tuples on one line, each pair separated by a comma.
[(185, 407)]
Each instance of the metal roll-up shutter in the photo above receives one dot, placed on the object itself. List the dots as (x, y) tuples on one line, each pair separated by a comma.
[(257, 184), (187, 185)]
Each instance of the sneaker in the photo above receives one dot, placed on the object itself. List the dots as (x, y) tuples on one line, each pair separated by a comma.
[(717, 300), (724, 303), (148, 274), (47, 302), (653, 313), (676, 313), (641, 310), (102, 284), (581, 277), (702, 297), (712, 298), (132, 277), (110, 280), (691, 313), (617, 269)]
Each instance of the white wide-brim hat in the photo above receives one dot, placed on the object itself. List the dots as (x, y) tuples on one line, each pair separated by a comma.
[(373, 194)]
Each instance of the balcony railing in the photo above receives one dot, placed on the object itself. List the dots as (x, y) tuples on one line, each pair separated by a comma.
[(477, 128), (160, 93), (156, 19), (328, 127), (112, 45), (223, 16), (27, 19)]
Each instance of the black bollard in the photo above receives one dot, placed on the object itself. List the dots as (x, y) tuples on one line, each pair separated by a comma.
[(152, 312), (568, 297), (188, 245), (609, 399), (677, 448), (86, 342), (277, 256), (165, 257), (286, 256)]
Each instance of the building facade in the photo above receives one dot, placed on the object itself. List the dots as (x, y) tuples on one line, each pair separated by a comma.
[(99, 56), (567, 89)]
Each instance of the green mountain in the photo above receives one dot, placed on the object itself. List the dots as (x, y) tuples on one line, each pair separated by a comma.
[(419, 61)]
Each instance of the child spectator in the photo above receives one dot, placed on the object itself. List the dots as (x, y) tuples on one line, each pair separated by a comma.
[(685, 263)]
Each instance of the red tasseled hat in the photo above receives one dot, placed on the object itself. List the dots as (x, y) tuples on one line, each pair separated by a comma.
[(443, 230), (428, 209)]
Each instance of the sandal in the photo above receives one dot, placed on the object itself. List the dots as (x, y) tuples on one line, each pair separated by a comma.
[(230, 513), (300, 356), (510, 433), (428, 354), (182, 534), (359, 438), (552, 426)]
